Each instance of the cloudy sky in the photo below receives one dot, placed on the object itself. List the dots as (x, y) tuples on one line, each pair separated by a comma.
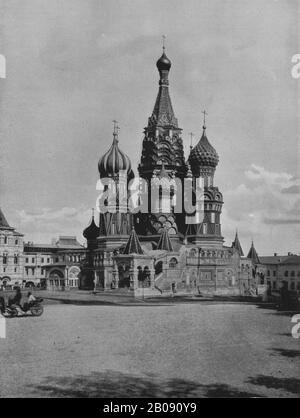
[(74, 65)]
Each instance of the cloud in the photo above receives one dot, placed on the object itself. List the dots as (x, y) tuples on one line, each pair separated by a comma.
[(263, 209), (292, 189), (43, 225)]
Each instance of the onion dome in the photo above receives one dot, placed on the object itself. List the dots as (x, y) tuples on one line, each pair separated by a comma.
[(203, 154), (92, 231), (114, 161), (163, 64)]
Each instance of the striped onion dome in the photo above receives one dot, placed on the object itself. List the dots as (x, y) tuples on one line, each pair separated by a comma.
[(203, 154), (114, 161)]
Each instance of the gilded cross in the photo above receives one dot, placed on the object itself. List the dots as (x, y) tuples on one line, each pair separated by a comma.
[(204, 119), (116, 127), (164, 40)]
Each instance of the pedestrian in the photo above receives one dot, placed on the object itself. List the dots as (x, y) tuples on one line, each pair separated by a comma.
[(30, 300), (16, 300), (2, 303)]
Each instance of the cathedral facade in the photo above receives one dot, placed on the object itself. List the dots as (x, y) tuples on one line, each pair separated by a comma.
[(165, 247)]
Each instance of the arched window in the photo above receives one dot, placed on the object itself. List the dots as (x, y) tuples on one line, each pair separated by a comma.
[(193, 252), (158, 267), (173, 262), (140, 273), (292, 273), (286, 274)]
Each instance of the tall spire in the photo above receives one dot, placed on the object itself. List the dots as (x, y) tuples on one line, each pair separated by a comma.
[(3, 222), (133, 245), (164, 242), (237, 245), (252, 254), (163, 113)]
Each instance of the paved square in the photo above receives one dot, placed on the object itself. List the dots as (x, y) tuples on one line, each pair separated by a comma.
[(181, 349)]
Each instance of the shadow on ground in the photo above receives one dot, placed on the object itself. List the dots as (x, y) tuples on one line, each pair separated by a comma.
[(286, 352), (113, 384), (291, 385)]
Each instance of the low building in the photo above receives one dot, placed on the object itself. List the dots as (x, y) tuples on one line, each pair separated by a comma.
[(53, 266), (282, 270)]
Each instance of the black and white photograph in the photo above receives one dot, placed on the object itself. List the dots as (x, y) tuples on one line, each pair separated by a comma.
[(149, 202)]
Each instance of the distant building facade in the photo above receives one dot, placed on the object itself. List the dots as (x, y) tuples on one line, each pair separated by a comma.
[(55, 266), (11, 254), (282, 270)]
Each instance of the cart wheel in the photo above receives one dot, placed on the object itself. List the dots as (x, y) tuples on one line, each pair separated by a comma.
[(37, 310), (14, 312)]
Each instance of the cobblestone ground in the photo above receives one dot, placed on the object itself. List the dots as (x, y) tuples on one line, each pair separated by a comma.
[(184, 350)]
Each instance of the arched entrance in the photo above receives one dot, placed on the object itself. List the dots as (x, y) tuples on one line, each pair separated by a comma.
[(73, 275), (144, 279), (158, 268), (56, 280), (29, 284), (124, 276), (5, 281)]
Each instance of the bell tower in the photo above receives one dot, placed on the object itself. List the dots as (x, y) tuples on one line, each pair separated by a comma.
[(162, 156)]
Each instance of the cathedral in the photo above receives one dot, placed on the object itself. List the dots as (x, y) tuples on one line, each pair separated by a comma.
[(164, 248)]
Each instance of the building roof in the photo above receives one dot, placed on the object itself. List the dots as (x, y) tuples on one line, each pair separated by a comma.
[(63, 243), (280, 259), (237, 245), (164, 242), (133, 245), (252, 254), (68, 242), (3, 222)]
